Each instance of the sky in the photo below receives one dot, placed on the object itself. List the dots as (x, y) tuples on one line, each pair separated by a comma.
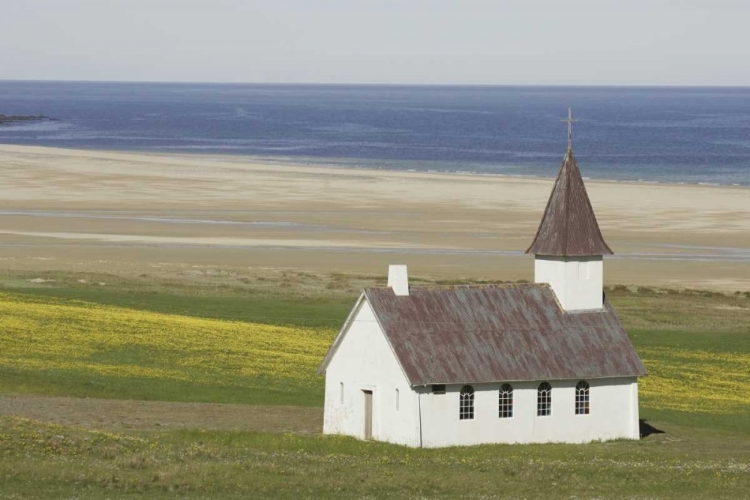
[(497, 42)]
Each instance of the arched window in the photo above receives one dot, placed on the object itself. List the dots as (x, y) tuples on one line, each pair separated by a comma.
[(506, 401), (341, 393), (582, 398), (397, 399), (544, 400), (466, 408)]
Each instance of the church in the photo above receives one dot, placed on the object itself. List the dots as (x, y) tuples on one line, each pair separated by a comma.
[(465, 365)]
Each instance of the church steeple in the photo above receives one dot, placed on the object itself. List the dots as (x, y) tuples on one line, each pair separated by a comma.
[(569, 227), (568, 246)]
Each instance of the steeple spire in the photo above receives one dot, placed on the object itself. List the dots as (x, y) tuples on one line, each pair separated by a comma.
[(569, 227), (570, 122)]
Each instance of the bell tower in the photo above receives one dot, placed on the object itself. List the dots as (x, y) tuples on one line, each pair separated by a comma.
[(568, 247)]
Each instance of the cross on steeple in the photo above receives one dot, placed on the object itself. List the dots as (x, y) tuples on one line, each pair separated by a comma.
[(569, 227), (570, 121)]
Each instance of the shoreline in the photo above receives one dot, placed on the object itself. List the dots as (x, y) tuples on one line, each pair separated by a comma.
[(347, 164), (288, 161)]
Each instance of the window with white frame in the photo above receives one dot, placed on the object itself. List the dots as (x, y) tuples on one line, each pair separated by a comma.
[(544, 400), (397, 399), (583, 406), (505, 409), (466, 405), (341, 393)]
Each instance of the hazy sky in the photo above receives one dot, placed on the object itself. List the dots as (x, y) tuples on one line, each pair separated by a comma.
[(658, 42)]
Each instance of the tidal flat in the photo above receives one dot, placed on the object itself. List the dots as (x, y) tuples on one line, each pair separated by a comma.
[(170, 214)]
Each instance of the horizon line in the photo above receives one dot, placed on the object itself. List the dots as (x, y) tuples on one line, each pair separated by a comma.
[(386, 84)]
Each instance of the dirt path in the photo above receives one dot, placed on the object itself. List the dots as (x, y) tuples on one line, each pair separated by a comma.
[(110, 414)]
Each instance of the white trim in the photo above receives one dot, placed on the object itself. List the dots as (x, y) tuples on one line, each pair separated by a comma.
[(387, 340), (344, 329), (340, 336)]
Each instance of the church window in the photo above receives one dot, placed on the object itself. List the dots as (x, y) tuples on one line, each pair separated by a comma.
[(341, 393), (544, 400), (583, 270), (466, 408), (506, 401), (397, 401), (582, 398), (438, 388)]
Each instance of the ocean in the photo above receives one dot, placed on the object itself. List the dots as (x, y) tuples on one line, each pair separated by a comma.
[(674, 135)]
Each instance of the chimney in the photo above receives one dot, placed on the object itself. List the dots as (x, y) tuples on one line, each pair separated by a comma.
[(398, 279)]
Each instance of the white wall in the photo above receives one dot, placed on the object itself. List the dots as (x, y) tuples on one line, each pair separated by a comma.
[(614, 414), (364, 361), (578, 282)]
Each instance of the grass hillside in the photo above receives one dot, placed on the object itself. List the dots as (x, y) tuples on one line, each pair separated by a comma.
[(57, 345), (63, 347), (167, 342)]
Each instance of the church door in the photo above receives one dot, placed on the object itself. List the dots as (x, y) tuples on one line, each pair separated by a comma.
[(368, 414)]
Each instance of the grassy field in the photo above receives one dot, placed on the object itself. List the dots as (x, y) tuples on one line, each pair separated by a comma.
[(258, 341), (51, 461), (63, 347)]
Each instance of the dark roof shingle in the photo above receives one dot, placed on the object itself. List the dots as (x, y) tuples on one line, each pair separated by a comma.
[(499, 333), (569, 227)]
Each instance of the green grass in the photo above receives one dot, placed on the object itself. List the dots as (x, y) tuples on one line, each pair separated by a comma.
[(704, 454), (270, 307), (253, 391), (60, 347), (692, 321), (708, 376), (51, 461), (302, 299)]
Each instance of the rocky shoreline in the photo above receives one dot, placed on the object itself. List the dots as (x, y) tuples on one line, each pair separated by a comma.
[(13, 119)]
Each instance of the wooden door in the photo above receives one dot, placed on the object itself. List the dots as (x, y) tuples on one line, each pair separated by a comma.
[(368, 414)]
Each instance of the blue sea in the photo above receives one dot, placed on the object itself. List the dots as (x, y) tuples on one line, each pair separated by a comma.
[(675, 135)]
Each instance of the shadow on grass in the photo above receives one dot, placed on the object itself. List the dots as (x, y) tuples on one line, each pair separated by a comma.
[(648, 429)]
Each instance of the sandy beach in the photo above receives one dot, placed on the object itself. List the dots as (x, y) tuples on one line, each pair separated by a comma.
[(131, 213)]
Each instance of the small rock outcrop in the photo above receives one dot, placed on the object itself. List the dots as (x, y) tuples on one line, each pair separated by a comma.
[(14, 119)]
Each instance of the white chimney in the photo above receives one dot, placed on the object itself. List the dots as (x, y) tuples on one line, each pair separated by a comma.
[(398, 279)]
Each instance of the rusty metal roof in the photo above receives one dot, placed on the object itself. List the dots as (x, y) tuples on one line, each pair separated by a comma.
[(499, 333), (569, 226)]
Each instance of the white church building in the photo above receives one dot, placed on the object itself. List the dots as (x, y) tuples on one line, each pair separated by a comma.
[(524, 363)]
